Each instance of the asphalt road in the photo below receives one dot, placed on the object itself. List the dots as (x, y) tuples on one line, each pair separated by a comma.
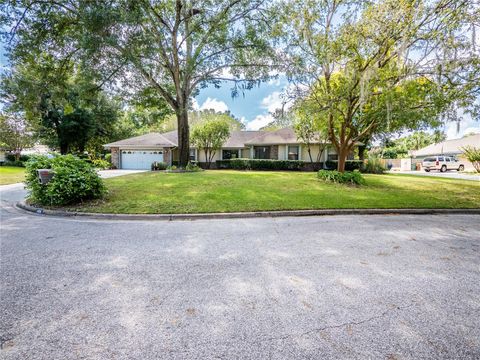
[(344, 287)]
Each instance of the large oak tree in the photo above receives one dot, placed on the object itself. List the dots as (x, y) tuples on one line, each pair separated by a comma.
[(350, 56), (173, 46)]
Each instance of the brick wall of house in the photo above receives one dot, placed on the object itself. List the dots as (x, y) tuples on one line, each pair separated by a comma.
[(115, 151)]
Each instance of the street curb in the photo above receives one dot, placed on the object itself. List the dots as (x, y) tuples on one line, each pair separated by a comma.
[(244, 215)]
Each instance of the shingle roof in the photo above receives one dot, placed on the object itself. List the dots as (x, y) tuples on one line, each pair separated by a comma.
[(237, 139), (151, 139), (281, 136), (449, 147)]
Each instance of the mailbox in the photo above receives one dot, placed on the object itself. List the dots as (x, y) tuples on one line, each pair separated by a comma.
[(44, 176)]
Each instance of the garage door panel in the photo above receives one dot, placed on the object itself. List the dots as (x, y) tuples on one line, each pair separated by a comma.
[(140, 159)]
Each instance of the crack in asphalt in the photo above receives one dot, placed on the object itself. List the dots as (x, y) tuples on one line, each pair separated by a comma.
[(349, 323)]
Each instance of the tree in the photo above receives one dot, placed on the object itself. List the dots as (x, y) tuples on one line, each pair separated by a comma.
[(174, 47), (197, 117), (401, 147), (309, 129), (349, 58), (210, 136), (14, 134), (473, 155), (61, 102)]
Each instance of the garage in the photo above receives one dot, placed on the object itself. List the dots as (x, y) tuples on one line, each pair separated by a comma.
[(140, 159)]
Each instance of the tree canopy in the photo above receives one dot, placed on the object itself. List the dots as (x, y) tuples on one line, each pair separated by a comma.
[(173, 47)]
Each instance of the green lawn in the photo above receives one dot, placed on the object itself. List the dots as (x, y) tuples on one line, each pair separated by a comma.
[(230, 191), (11, 175)]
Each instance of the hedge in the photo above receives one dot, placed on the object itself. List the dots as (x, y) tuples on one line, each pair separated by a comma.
[(260, 164)]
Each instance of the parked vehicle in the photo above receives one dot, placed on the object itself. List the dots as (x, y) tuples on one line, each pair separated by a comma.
[(442, 163)]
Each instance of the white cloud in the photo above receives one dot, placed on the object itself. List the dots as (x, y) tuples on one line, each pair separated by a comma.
[(259, 122), (210, 103), (467, 125), (272, 102)]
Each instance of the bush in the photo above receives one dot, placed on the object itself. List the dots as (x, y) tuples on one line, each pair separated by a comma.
[(101, 164), (14, 163), (347, 177), (473, 155), (350, 165), (373, 166), (158, 166), (260, 164), (22, 158), (74, 180), (173, 167), (108, 157), (192, 167)]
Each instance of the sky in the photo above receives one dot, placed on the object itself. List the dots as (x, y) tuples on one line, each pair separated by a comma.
[(253, 107)]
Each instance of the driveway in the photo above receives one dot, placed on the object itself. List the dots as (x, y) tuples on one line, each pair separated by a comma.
[(448, 174), (348, 287)]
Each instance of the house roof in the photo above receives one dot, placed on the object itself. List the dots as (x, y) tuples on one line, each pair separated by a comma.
[(151, 139), (281, 136), (449, 147), (238, 139)]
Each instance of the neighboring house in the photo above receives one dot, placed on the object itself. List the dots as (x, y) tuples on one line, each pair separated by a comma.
[(141, 151), (448, 148)]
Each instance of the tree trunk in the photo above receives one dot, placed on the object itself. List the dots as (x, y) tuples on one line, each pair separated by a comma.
[(17, 155), (183, 137), (63, 148), (342, 158), (361, 152), (309, 154)]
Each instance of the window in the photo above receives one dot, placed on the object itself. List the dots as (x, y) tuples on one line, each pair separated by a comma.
[(262, 152), (332, 157), (192, 155), (440, 158), (447, 159), (293, 152), (230, 154)]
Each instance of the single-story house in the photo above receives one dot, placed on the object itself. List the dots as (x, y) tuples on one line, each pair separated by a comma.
[(452, 147), (140, 152)]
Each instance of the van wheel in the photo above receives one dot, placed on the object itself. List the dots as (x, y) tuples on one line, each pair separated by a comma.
[(427, 170), (461, 168), (443, 168)]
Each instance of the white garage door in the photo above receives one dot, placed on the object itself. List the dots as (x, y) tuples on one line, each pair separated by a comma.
[(140, 159)]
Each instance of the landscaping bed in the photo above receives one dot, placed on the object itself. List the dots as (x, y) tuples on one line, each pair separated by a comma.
[(237, 191)]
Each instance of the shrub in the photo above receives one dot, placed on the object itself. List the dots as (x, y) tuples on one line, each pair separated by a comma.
[(192, 167), (74, 180), (12, 158), (108, 157), (373, 166), (347, 177), (473, 155), (101, 164), (14, 163), (173, 167), (260, 164), (350, 165), (157, 165)]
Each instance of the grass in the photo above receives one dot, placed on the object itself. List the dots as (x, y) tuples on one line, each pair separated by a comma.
[(231, 191), (11, 175)]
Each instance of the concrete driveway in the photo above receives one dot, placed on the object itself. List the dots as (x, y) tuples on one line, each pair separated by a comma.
[(344, 287), (448, 174)]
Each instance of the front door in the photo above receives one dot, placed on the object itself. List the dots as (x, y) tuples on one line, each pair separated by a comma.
[(262, 152)]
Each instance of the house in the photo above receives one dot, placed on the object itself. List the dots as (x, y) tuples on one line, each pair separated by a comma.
[(448, 148), (141, 151)]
